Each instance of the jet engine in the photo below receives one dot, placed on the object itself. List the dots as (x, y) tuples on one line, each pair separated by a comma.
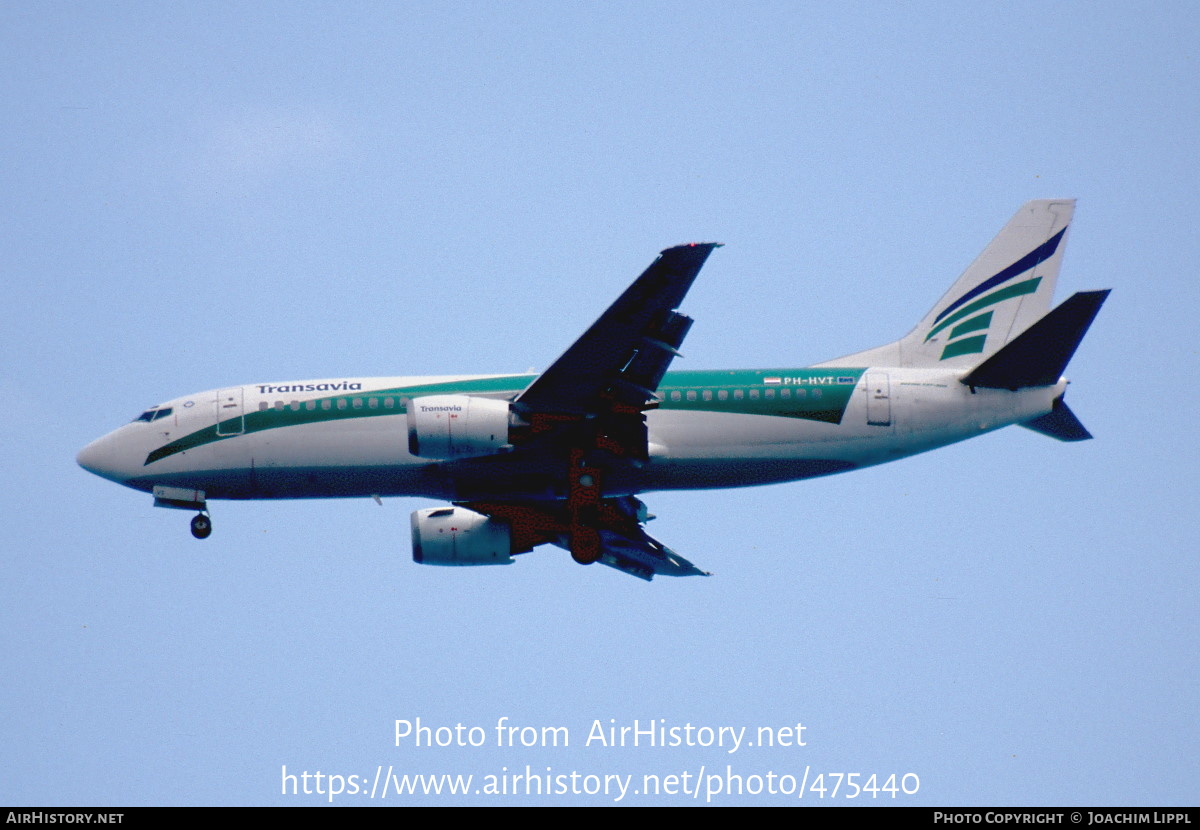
[(457, 536), (457, 426)]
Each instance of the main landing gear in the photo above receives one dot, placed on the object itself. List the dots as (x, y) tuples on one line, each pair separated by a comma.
[(583, 507), (201, 525)]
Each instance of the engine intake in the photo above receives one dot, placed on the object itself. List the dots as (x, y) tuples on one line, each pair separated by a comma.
[(457, 426), (457, 536)]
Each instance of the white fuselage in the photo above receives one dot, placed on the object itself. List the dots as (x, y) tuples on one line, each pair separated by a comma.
[(348, 437)]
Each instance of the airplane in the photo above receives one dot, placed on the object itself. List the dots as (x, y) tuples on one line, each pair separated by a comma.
[(560, 457)]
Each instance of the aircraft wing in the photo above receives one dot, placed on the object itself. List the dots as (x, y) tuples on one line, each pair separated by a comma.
[(615, 525), (622, 358), (643, 556), (587, 413)]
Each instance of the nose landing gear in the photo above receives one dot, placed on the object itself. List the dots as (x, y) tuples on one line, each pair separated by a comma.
[(201, 525), (182, 498)]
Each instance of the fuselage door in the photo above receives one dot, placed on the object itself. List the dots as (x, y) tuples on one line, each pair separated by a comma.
[(231, 417), (879, 400)]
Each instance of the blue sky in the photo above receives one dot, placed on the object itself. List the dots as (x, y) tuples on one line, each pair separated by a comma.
[(216, 194)]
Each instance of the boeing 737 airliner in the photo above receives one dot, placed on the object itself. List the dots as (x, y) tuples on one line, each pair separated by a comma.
[(560, 457)]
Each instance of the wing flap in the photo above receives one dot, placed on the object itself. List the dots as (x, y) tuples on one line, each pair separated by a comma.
[(644, 557)]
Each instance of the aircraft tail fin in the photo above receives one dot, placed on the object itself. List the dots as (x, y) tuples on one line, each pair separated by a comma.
[(1001, 294), (1039, 355)]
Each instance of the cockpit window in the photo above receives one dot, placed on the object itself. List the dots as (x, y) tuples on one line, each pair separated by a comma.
[(153, 414)]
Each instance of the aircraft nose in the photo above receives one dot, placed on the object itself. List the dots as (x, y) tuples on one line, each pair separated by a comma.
[(103, 458)]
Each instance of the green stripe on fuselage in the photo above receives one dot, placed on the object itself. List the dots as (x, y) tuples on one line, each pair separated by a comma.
[(272, 418), (813, 394)]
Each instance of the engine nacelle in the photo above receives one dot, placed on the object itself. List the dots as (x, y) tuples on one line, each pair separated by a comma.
[(457, 536), (457, 426)]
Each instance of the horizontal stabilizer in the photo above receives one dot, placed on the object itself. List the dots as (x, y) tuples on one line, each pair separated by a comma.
[(1038, 356), (1059, 423)]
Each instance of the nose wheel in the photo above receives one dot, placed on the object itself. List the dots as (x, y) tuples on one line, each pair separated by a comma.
[(201, 525)]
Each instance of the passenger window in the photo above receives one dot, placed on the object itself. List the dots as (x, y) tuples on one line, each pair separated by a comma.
[(295, 406), (738, 394), (722, 395), (310, 405), (691, 395), (327, 404), (753, 394), (341, 403), (373, 403), (676, 396), (785, 393), (357, 404), (389, 403), (708, 394), (816, 393), (263, 406), (801, 393), (770, 393), (278, 406)]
